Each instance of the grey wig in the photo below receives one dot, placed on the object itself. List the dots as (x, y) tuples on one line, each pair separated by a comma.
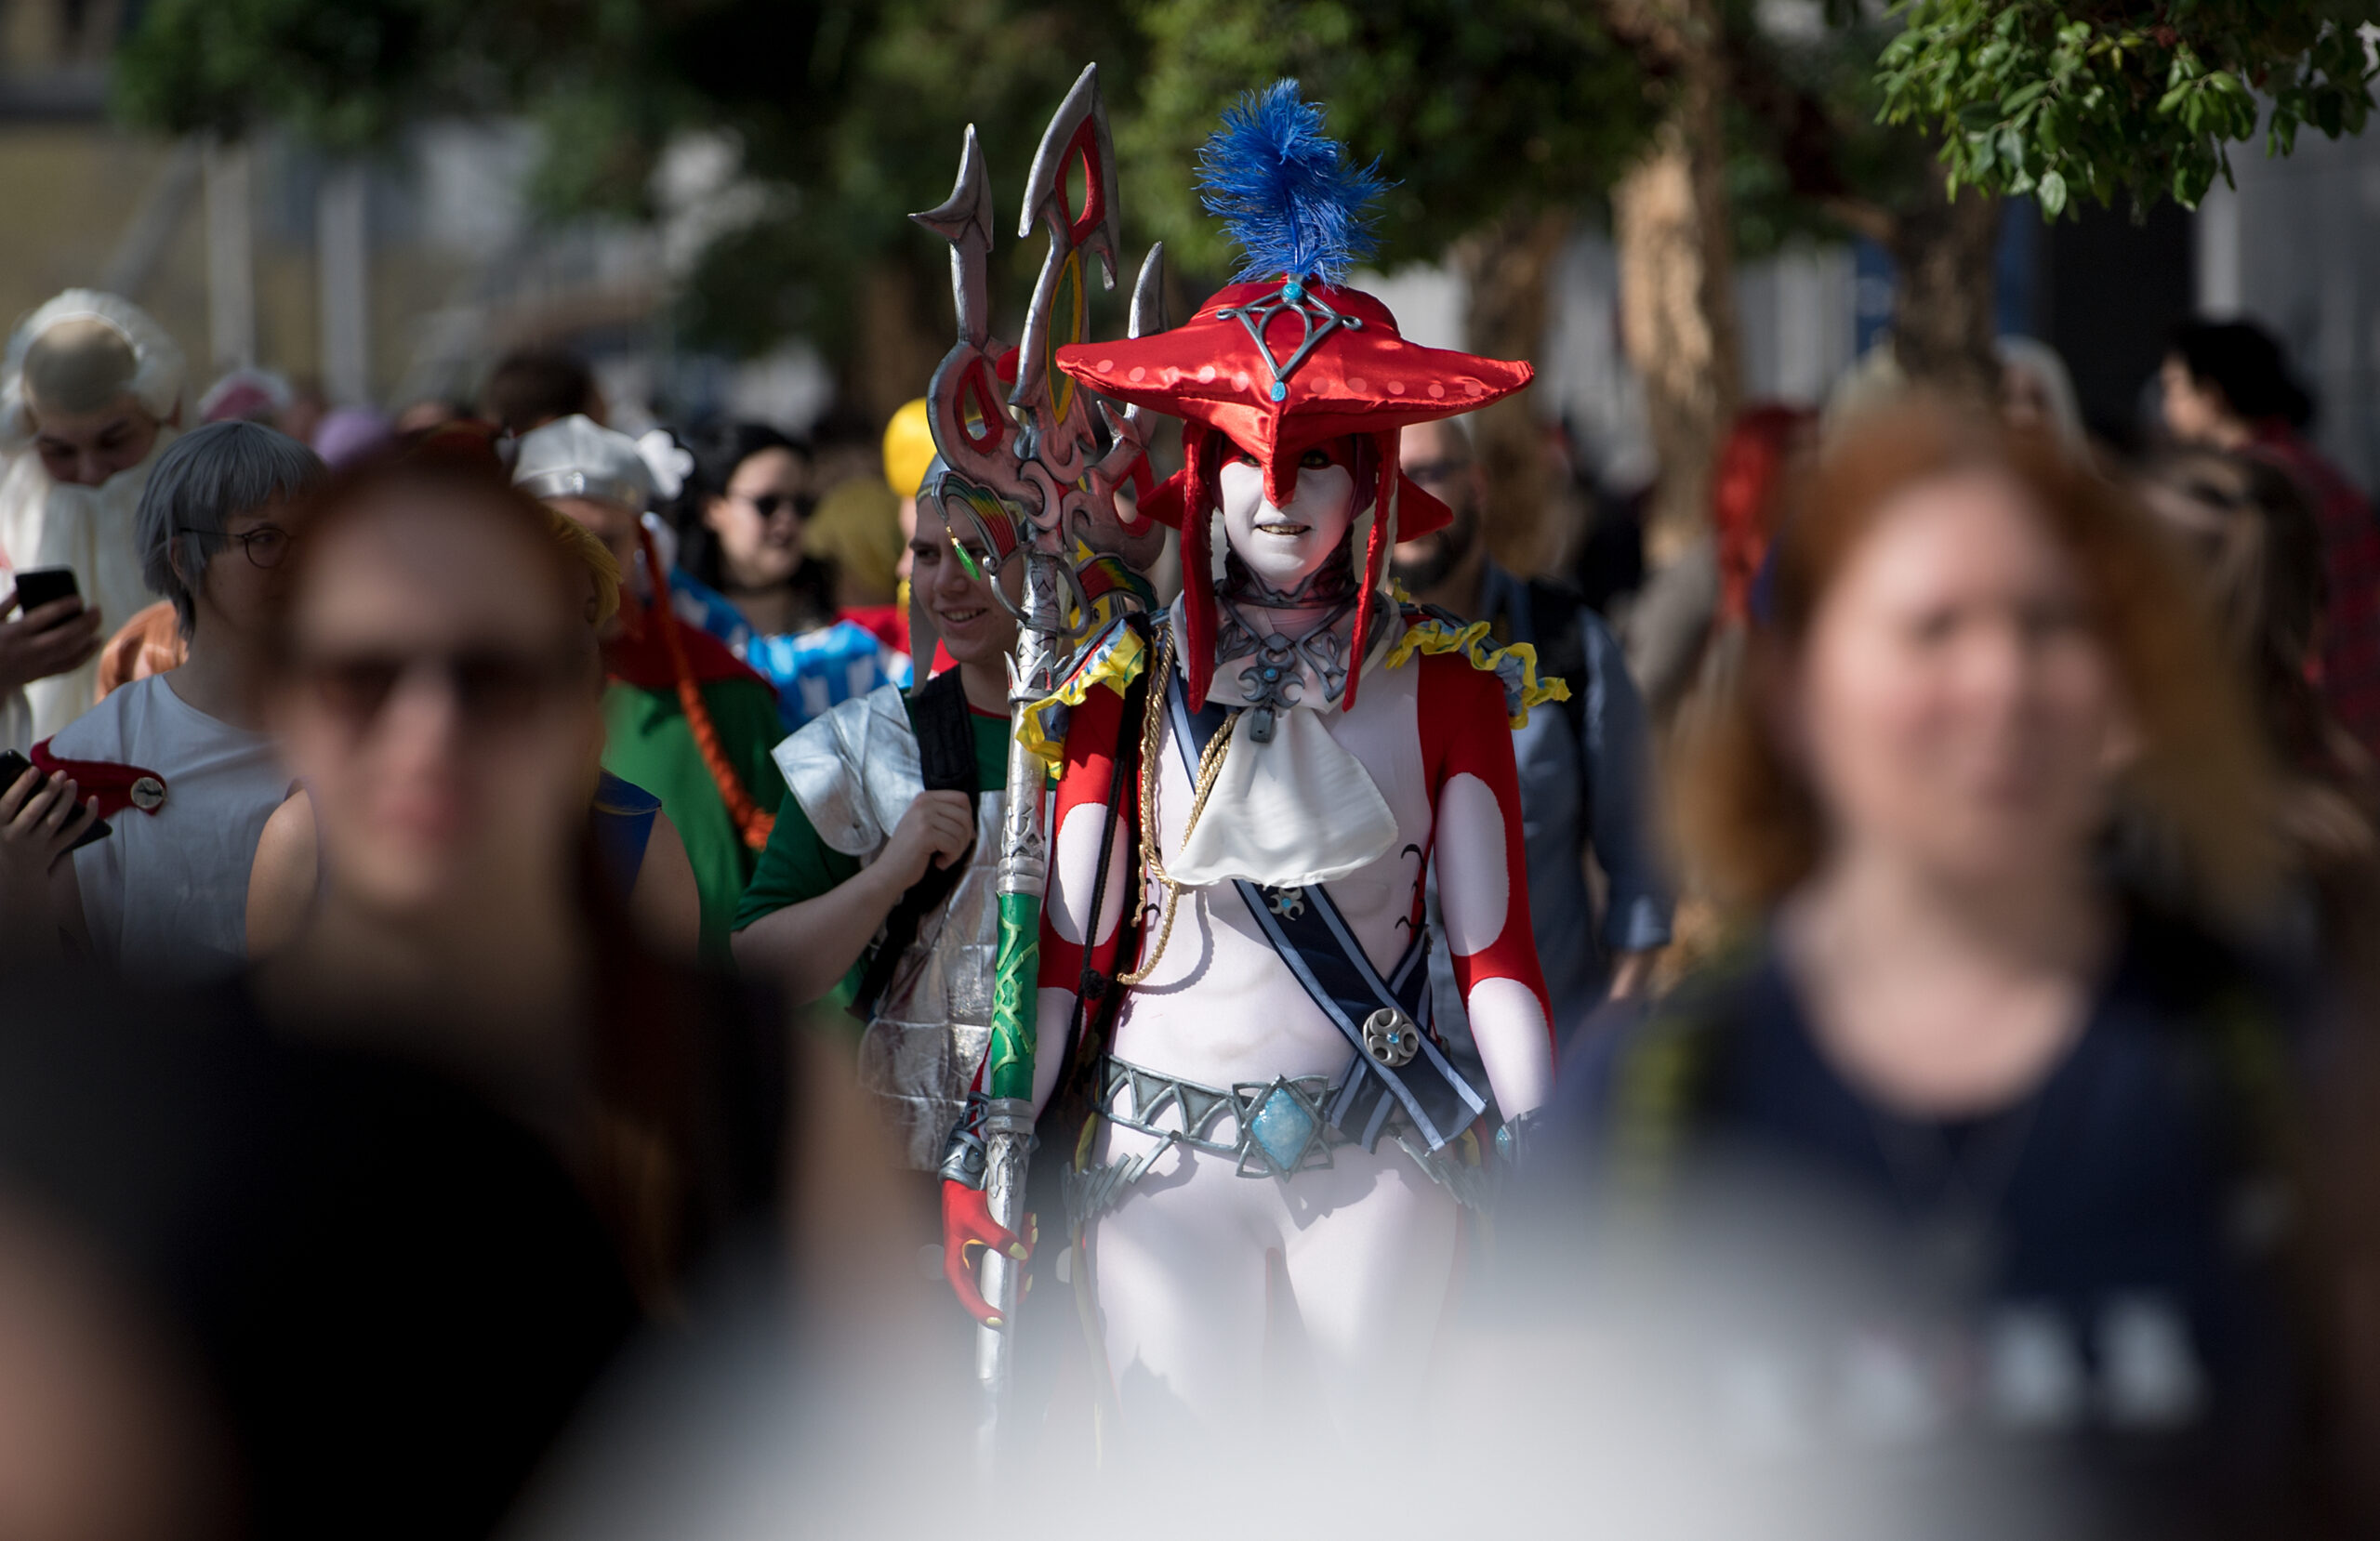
[(208, 478)]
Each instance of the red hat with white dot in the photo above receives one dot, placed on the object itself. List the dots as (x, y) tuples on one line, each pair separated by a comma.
[(1274, 369)]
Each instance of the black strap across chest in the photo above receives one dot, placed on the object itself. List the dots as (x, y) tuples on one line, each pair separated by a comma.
[(947, 760)]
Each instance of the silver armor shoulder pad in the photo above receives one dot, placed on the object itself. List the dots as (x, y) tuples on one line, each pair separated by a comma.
[(854, 770)]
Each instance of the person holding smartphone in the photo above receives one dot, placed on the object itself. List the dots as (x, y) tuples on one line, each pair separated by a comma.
[(39, 641), (90, 392), (179, 763)]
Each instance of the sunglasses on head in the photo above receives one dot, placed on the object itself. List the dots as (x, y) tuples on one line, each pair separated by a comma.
[(493, 687)]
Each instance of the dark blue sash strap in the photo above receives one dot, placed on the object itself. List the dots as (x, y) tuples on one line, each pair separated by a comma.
[(1314, 940)]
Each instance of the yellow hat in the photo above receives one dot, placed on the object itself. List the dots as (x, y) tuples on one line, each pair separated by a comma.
[(857, 527), (908, 449)]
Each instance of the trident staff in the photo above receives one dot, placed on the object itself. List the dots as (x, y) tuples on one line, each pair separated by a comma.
[(1036, 476)]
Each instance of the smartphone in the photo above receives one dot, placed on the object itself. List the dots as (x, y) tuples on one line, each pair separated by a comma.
[(39, 585), (14, 765)]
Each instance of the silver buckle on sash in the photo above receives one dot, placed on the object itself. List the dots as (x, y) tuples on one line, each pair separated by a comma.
[(1391, 1038)]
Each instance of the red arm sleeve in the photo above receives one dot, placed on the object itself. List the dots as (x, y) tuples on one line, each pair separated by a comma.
[(1483, 876), (1077, 825)]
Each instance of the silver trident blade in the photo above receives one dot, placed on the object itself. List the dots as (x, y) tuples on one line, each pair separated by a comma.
[(1057, 414), (1030, 467), (965, 221), (1131, 439), (1148, 293), (1042, 188)]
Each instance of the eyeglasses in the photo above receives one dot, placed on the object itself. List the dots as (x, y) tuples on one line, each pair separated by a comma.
[(767, 503), (494, 688), (264, 545)]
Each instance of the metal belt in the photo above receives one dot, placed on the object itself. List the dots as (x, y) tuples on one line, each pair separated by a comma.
[(1279, 1130)]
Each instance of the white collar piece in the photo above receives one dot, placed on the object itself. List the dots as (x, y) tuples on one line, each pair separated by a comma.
[(1289, 809)]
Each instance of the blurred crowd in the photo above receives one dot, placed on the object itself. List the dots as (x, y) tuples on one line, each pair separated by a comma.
[(482, 994)]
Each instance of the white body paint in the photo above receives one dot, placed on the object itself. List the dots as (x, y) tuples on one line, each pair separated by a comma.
[(1370, 1244), (1323, 503)]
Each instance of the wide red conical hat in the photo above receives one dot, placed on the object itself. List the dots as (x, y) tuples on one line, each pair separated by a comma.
[(1283, 365), (1287, 357)]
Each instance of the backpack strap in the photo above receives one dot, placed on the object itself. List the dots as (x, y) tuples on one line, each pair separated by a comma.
[(947, 762)]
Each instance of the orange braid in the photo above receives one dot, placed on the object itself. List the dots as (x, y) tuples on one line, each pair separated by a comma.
[(752, 821)]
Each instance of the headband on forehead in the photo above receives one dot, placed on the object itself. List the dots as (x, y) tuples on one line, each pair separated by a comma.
[(158, 367)]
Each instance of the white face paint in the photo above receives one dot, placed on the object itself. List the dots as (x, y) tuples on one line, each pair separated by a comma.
[(1284, 547)]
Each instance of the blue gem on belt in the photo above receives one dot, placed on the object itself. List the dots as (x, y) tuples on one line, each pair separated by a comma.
[(1283, 1128)]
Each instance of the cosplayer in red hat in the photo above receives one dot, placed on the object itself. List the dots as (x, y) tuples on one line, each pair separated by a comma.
[(1252, 788)]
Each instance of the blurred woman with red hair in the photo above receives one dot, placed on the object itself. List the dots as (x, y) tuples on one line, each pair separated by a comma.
[(2048, 1103)]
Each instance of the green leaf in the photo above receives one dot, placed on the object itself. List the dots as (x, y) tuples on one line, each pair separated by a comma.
[(2051, 190)]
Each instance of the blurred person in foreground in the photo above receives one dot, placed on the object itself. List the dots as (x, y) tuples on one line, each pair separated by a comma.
[(179, 763), (1585, 764), (684, 718), (744, 575), (881, 873), (92, 391), (261, 1277), (403, 1189), (2227, 386), (643, 863), (433, 689), (2065, 1117), (106, 1432)]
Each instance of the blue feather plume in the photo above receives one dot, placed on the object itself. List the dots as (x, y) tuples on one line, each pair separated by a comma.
[(1289, 196)]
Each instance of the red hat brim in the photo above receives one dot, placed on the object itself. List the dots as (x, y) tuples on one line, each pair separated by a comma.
[(1362, 378)]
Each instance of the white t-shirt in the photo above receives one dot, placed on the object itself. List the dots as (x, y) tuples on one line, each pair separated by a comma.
[(166, 895)]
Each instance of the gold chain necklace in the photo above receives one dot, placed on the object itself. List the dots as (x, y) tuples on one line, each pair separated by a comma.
[(1210, 765)]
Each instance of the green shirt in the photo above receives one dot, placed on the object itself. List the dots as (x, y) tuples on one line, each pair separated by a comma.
[(648, 742), (797, 865)]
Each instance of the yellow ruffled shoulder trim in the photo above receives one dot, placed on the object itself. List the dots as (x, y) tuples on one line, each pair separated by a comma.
[(1516, 665), (1113, 659)]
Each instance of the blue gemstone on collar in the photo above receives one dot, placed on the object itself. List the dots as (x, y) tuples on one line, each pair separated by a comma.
[(1280, 391), (1292, 291)]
